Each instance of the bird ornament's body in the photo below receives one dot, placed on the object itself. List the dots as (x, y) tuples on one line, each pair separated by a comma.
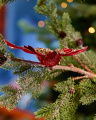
[(47, 57)]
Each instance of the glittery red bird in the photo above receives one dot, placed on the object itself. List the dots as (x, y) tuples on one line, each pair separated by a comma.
[(47, 57)]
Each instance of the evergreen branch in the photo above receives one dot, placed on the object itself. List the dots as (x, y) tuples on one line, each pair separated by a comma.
[(83, 65), (26, 61), (80, 77), (72, 93), (88, 59), (6, 1), (11, 96), (85, 10), (87, 91), (74, 69), (65, 106), (59, 67)]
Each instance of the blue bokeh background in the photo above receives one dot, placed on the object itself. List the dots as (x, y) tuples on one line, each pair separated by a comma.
[(16, 11)]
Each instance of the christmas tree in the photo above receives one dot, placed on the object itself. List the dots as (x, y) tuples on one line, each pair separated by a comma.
[(69, 70)]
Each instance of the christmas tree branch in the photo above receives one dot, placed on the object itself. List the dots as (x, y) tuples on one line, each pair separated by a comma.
[(82, 65), (5, 1), (59, 67), (80, 77), (74, 69), (26, 61)]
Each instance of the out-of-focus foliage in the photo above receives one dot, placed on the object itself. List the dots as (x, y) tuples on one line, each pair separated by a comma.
[(76, 98)]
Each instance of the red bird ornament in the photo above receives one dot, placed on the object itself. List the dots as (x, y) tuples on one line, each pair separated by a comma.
[(47, 57)]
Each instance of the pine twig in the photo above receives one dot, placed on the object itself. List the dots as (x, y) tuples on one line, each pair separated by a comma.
[(74, 69), (59, 67), (26, 61), (82, 65), (80, 77)]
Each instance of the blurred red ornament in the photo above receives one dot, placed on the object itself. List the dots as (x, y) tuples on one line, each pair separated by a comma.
[(79, 42), (72, 91), (2, 19), (47, 57), (16, 114)]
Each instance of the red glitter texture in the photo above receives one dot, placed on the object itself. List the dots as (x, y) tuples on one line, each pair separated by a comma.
[(52, 57)]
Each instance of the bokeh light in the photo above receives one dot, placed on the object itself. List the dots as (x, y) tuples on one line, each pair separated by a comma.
[(41, 24), (64, 5), (91, 30), (69, 1)]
